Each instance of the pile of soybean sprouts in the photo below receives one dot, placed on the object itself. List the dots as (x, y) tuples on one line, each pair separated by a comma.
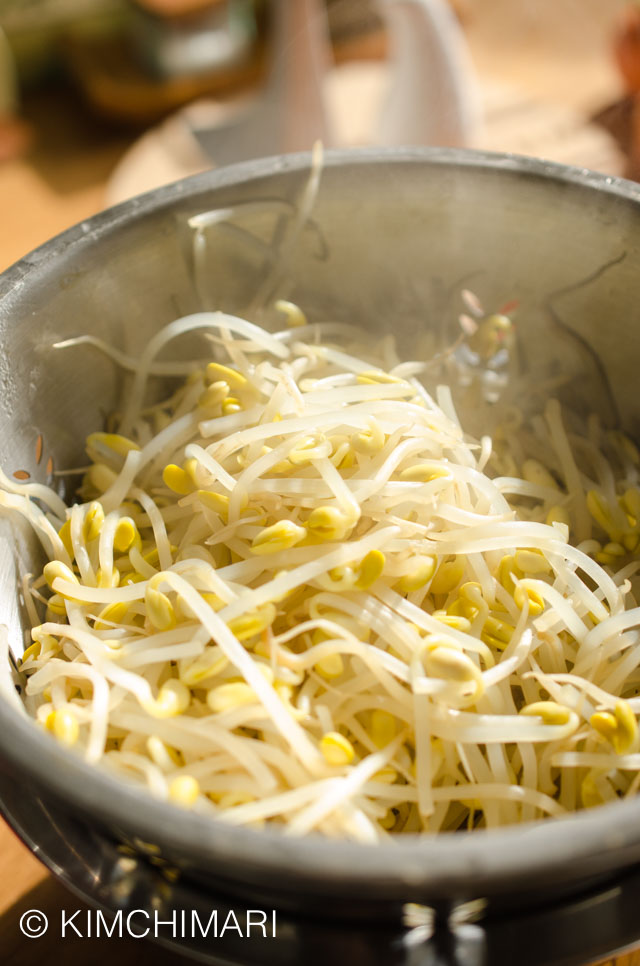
[(296, 592)]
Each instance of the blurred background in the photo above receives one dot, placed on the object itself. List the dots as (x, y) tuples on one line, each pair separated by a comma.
[(103, 99)]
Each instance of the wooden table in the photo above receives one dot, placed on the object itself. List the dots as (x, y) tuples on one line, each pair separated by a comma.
[(62, 181)]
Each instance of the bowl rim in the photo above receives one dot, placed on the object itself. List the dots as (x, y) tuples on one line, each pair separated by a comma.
[(522, 856)]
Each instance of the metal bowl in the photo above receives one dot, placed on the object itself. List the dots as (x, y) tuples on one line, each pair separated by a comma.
[(392, 238)]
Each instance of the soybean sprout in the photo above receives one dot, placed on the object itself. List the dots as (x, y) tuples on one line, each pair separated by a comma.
[(296, 592)]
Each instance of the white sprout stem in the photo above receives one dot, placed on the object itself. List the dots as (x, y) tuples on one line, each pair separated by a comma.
[(289, 729), (44, 530), (302, 575), (81, 554), (465, 726), (158, 525), (342, 791), (283, 804), (95, 653), (7, 685), (302, 213), (189, 323), (569, 469), (36, 491), (195, 735), (217, 471), (100, 701), (127, 362), (581, 759), (28, 595)]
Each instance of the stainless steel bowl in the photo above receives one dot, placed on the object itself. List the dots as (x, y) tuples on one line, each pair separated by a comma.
[(392, 238)]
